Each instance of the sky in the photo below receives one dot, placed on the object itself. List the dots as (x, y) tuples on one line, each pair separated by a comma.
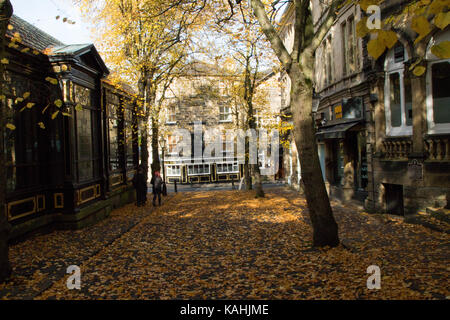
[(42, 14)]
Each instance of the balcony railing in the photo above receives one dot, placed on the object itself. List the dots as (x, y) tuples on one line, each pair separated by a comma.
[(398, 148), (438, 148)]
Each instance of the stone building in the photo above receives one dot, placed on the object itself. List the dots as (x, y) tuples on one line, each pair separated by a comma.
[(342, 105), (383, 134), (69, 153), (410, 132), (202, 98)]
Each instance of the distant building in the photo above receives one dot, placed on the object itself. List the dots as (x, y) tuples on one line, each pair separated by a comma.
[(202, 95), (72, 152)]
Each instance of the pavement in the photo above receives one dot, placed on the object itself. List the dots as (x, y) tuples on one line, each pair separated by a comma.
[(230, 245)]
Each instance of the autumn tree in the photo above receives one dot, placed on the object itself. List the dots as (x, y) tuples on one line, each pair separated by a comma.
[(144, 42), (299, 65), (5, 268), (247, 48)]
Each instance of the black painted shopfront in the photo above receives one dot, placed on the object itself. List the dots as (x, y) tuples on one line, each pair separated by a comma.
[(72, 145)]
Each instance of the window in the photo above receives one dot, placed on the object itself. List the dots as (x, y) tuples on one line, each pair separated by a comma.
[(227, 144), (338, 163), (198, 169), (129, 135), (329, 61), (349, 46), (84, 139), (438, 89), (21, 147), (440, 84), (171, 115), (173, 170), (227, 167), (224, 114), (172, 142), (398, 95), (114, 150), (85, 135)]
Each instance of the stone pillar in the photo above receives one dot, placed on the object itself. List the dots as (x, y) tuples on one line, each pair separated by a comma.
[(5, 267), (419, 112), (376, 132)]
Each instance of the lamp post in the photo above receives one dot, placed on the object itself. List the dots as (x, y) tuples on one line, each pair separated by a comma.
[(6, 11)]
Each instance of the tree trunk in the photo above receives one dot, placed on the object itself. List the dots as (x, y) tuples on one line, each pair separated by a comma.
[(156, 164), (143, 95), (325, 229), (5, 228), (247, 172), (258, 182)]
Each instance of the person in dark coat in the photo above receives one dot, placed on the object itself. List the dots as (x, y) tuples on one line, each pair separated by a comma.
[(140, 184), (157, 184)]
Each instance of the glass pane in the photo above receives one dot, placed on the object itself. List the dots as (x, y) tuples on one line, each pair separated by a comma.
[(82, 95), (408, 99), (441, 92), (84, 130), (395, 101)]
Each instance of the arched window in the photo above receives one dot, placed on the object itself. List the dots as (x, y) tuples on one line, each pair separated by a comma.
[(397, 94), (438, 89)]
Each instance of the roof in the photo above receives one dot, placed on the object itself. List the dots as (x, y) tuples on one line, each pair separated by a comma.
[(72, 49), (79, 51), (31, 36), (37, 39)]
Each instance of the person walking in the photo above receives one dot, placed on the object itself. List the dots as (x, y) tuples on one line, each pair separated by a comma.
[(157, 183), (140, 184)]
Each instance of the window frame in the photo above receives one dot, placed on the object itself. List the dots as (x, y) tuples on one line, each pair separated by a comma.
[(390, 68), (229, 114), (233, 165), (171, 112), (433, 128), (169, 170), (203, 165)]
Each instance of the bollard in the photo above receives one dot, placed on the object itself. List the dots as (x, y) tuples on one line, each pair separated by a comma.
[(232, 183), (175, 185)]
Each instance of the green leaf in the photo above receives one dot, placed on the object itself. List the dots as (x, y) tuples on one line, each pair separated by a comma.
[(421, 26), (55, 114), (389, 38), (419, 70), (45, 109), (442, 20), (361, 28), (58, 103), (441, 50), (375, 48)]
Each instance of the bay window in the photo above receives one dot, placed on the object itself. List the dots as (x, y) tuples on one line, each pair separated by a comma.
[(438, 89)]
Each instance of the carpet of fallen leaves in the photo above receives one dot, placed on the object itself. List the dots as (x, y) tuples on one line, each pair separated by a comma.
[(229, 245)]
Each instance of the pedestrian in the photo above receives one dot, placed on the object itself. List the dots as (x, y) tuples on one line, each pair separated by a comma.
[(157, 183), (140, 184)]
